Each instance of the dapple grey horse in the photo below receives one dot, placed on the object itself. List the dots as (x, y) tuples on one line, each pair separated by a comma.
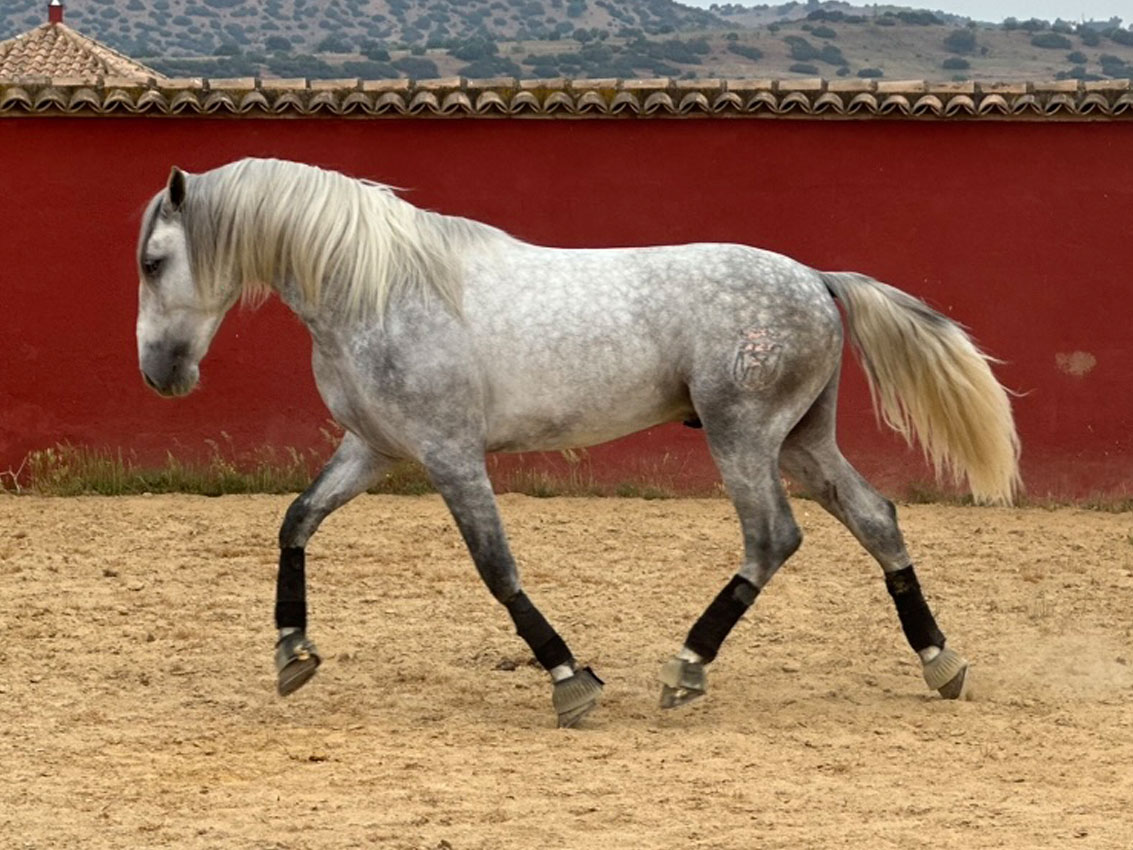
[(439, 339)]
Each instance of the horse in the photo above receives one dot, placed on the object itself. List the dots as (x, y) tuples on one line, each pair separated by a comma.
[(438, 339)]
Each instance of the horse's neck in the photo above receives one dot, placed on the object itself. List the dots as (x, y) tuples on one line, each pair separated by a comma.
[(452, 239)]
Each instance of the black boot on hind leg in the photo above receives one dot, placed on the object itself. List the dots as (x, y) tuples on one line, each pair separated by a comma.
[(945, 670), (684, 679)]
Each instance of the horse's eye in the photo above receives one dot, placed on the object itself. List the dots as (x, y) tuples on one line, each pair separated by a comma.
[(151, 267)]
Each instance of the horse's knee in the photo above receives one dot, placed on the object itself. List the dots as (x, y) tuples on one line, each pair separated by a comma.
[(295, 529)]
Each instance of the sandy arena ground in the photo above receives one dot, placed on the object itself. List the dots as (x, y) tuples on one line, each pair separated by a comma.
[(139, 709)]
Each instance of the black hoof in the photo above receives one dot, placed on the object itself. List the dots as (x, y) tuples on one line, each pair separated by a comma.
[(296, 660), (576, 697)]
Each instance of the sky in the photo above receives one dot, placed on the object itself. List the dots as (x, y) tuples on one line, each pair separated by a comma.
[(997, 10)]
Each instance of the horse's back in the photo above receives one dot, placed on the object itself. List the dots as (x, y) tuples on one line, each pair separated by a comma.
[(581, 346), (607, 288)]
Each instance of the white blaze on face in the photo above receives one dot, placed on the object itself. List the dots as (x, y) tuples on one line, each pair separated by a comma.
[(175, 326)]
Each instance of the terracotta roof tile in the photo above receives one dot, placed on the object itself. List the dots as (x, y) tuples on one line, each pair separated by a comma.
[(54, 70), (57, 51), (115, 93)]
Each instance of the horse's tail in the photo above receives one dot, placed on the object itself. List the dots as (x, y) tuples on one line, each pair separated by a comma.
[(928, 379)]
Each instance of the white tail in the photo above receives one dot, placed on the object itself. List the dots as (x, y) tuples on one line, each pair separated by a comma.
[(929, 380)]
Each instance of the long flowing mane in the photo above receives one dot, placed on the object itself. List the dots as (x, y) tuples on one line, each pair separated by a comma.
[(259, 221)]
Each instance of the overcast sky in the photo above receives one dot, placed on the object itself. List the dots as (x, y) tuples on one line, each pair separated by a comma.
[(997, 10)]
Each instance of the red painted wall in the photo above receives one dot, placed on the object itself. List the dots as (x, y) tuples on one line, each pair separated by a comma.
[(1020, 230)]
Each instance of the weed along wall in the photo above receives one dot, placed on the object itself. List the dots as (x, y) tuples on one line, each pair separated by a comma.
[(1017, 228)]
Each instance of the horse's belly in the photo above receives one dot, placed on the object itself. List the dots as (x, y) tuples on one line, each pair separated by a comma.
[(546, 418)]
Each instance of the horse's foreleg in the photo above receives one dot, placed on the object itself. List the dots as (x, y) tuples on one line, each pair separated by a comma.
[(465, 487), (744, 434), (352, 469), (770, 538)]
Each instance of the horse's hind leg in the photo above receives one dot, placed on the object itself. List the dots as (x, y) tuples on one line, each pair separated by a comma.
[(464, 485), (811, 457), (352, 469), (745, 443)]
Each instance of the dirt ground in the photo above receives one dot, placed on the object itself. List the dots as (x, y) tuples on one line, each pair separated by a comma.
[(139, 710)]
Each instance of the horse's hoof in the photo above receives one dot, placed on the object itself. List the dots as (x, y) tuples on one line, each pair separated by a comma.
[(296, 660), (947, 674), (576, 697), (681, 682)]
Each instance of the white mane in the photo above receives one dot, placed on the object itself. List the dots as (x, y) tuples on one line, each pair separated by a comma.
[(266, 221)]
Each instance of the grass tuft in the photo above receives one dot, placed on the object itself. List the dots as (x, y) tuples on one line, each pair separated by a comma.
[(931, 493), (68, 470)]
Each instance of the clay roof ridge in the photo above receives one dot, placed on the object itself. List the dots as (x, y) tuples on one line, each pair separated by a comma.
[(56, 50), (117, 64), (508, 96)]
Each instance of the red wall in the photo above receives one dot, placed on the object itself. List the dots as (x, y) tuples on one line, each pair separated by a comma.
[(1020, 230)]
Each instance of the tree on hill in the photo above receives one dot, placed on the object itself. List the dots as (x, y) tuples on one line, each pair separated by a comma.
[(1089, 37), (493, 66), (800, 48), (373, 50), (370, 70), (1051, 40), (752, 53), (334, 44), (421, 69), (960, 41)]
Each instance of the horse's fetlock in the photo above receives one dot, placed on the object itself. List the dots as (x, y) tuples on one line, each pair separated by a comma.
[(549, 648), (916, 617)]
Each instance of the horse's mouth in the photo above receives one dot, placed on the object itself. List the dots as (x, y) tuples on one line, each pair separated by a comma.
[(182, 386)]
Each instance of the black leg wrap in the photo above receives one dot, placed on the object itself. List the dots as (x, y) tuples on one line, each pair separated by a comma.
[(916, 618), (707, 633), (291, 590), (550, 649)]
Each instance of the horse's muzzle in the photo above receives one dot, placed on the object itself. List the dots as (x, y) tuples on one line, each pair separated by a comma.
[(167, 369)]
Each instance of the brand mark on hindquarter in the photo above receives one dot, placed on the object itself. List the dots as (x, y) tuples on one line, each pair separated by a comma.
[(757, 359)]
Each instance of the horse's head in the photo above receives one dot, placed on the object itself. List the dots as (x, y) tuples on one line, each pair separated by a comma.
[(176, 322)]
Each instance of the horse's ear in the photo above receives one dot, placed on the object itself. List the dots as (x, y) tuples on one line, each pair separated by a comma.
[(176, 187)]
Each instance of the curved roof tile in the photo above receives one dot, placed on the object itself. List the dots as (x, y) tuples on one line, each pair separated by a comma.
[(501, 97)]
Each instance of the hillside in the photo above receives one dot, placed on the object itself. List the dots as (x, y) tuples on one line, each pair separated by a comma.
[(583, 38), (200, 27)]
